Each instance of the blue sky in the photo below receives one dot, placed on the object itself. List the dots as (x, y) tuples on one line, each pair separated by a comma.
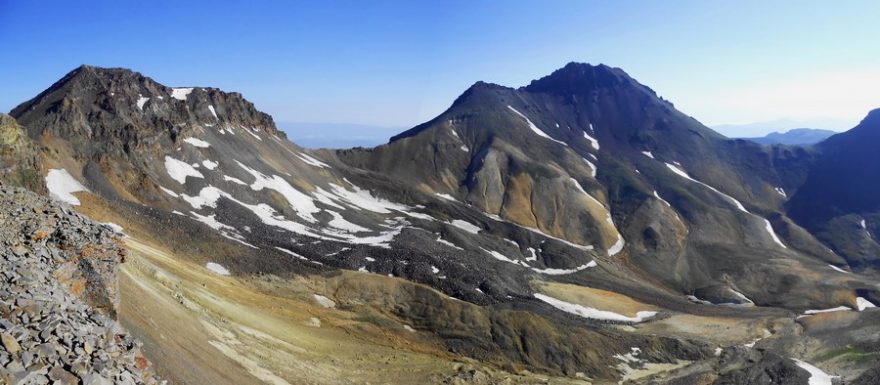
[(399, 63)]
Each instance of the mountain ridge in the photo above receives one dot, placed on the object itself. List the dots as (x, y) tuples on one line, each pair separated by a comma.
[(117, 91), (526, 233), (795, 136)]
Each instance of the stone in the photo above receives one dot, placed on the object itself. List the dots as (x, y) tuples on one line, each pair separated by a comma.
[(95, 379), (10, 343)]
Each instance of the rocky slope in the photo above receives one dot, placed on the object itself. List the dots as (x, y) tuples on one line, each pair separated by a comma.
[(59, 298), (589, 155), (840, 199), (577, 228)]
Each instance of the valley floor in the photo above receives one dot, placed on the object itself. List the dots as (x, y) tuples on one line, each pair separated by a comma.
[(202, 328)]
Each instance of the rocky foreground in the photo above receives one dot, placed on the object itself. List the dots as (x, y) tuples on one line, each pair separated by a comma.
[(58, 298)]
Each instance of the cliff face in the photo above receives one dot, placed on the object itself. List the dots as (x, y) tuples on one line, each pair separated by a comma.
[(19, 156), (59, 298)]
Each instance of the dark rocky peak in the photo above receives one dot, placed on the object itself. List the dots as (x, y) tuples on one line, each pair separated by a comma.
[(871, 123), (582, 78), (865, 135), (480, 92), (108, 102)]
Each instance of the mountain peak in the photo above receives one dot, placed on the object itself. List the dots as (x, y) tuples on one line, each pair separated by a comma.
[(863, 134), (103, 75), (578, 78), (872, 119), (88, 100)]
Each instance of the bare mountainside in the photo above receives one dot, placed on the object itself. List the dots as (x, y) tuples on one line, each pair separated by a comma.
[(576, 230)]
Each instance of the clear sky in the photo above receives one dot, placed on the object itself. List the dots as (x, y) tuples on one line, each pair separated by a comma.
[(398, 63)]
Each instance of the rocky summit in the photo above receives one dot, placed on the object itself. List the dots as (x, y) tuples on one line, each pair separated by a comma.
[(59, 298), (579, 229)]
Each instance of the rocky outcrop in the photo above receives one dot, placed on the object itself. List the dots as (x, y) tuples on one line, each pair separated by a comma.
[(59, 296), (116, 111), (19, 156)]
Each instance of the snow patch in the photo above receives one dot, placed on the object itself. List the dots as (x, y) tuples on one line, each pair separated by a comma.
[(863, 304), (447, 243), (648, 154), (680, 172), (169, 192), (817, 376), (180, 93), (742, 296), (324, 301), (234, 180), (207, 197), (617, 246), (772, 233), (341, 223), (217, 268), (656, 195), (302, 204), (311, 161), (179, 170), (694, 299), (539, 232), (535, 128), (503, 258), (592, 140), (211, 108), (581, 189), (446, 197), (141, 101), (252, 133), (781, 192), (834, 309), (62, 185), (631, 357), (197, 142), (465, 225), (551, 271), (210, 165), (534, 255), (294, 254), (838, 269), (363, 199), (588, 312), (225, 231), (593, 168)]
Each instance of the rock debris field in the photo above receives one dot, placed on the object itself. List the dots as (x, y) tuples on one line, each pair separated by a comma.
[(58, 298)]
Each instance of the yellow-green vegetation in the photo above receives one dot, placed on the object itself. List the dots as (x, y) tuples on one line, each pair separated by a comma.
[(850, 353), (19, 163)]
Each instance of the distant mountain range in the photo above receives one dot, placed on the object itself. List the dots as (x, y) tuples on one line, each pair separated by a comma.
[(337, 135), (577, 229), (758, 129), (795, 137)]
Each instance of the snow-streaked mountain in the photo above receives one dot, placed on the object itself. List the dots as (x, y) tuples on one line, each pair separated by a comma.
[(568, 228)]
